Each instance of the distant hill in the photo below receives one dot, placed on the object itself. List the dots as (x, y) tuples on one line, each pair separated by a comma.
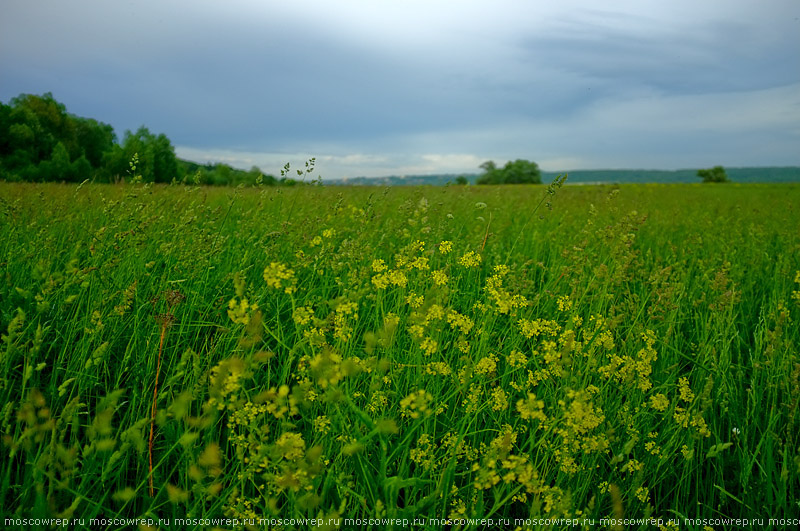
[(401, 180), (741, 175)]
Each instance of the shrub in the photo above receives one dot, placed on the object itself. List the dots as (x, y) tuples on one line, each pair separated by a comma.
[(713, 175)]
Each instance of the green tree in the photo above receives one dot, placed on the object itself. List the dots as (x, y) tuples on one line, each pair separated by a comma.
[(223, 175), (166, 164), (95, 139), (488, 167), (713, 175), (255, 176), (522, 172), (517, 172), (157, 161), (5, 125), (31, 130), (490, 175), (57, 167)]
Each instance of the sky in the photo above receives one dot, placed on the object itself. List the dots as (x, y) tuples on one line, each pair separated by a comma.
[(407, 87)]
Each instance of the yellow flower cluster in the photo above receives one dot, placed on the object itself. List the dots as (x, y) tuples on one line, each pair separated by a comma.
[(580, 420), (685, 390), (429, 346), (343, 316), (379, 266), (659, 402), (394, 277), (225, 383), (439, 277), (487, 365), (416, 405), (633, 370), (423, 453), (470, 259), (438, 368), (499, 399), (414, 300), (685, 417), (460, 322), (517, 359), (278, 402), (564, 303), (279, 276), (504, 301), (239, 310), (290, 446), (531, 408), (538, 327), (302, 315)]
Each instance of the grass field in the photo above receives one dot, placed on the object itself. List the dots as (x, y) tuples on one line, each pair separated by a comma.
[(486, 352)]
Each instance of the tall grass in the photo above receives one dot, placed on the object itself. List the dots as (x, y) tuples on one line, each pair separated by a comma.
[(427, 352)]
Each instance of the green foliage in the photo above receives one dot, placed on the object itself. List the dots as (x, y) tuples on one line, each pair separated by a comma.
[(516, 172), (416, 353), (713, 175), (40, 141), (157, 161), (220, 174), (58, 167)]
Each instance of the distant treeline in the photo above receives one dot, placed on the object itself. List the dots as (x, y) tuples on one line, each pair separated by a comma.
[(767, 174), (771, 174), (40, 141)]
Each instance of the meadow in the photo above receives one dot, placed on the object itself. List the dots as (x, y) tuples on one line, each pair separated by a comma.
[(516, 352)]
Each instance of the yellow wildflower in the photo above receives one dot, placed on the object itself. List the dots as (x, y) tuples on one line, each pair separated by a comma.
[(487, 365), (459, 321), (659, 402), (517, 359), (322, 424), (290, 446), (279, 276), (685, 390), (416, 404), (429, 346), (470, 259), (438, 368), (564, 303), (414, 300), (302, 315), (531, 408), (499, 399), (239, 311), (379, 266)]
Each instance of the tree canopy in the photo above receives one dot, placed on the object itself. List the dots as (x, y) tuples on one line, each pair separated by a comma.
[(517, 172), (41, 141), (157, 161), (713, 175)]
